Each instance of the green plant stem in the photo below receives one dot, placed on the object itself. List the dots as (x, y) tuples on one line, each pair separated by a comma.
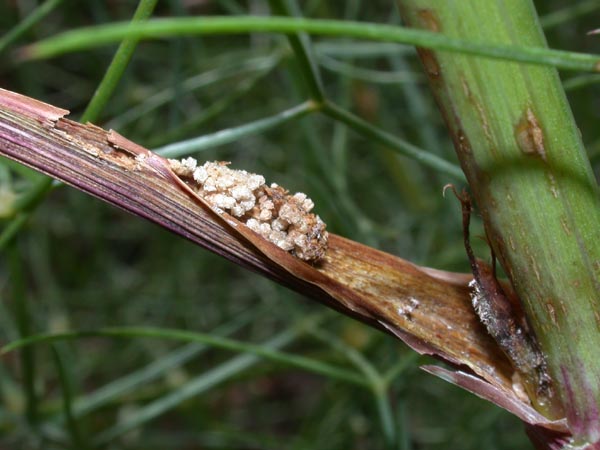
[(392, 142), (528, 170), (300, 44), (351, 49), (23, 318), (208, 339), (35, 195), (214, 110), (409, 360), (203, 382), (117, 66), (581, 81), (223, 70), (386, 416), (67, 397), (197, 386), (24, 206), (36, 15), (371, 76), (105, 89), (86, 38), (232, 134), (377, 384), (157, 368), (12, 229), (568, 13), (403, 427)]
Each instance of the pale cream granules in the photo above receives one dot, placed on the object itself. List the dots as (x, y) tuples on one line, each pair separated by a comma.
[(272, 212)]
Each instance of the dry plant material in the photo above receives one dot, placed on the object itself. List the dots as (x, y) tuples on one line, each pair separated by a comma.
[(499, 310), (283, 219), (428, 309)]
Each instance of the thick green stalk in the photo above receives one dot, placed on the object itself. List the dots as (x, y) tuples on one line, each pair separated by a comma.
[(526, 165)]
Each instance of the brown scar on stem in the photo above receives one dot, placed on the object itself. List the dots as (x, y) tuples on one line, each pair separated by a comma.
[(429, 20), (552, 313), (503, 317), (597, 318), (430, 63), (565, 225), (529, 135), (479, 109), (428, 58), (463, 144)]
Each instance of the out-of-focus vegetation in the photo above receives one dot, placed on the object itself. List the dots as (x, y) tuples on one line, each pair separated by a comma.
[(78, 264)]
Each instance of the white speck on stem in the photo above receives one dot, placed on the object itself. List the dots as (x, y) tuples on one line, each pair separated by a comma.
[(408, 309)]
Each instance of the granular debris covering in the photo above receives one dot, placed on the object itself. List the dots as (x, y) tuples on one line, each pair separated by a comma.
[(283, 219)]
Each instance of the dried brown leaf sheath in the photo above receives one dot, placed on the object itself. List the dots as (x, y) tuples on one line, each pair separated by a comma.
[(428, 309)]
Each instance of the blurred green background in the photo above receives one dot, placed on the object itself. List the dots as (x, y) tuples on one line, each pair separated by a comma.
[(79, 264)]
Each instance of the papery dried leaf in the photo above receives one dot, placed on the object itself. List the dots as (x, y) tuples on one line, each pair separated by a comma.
[(430, 310), (432, 314), (505, 398)]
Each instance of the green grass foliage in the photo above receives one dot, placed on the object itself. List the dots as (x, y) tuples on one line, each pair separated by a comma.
[(160, 344)]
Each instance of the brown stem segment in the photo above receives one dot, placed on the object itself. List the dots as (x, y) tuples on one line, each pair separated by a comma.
[(429, 310)]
